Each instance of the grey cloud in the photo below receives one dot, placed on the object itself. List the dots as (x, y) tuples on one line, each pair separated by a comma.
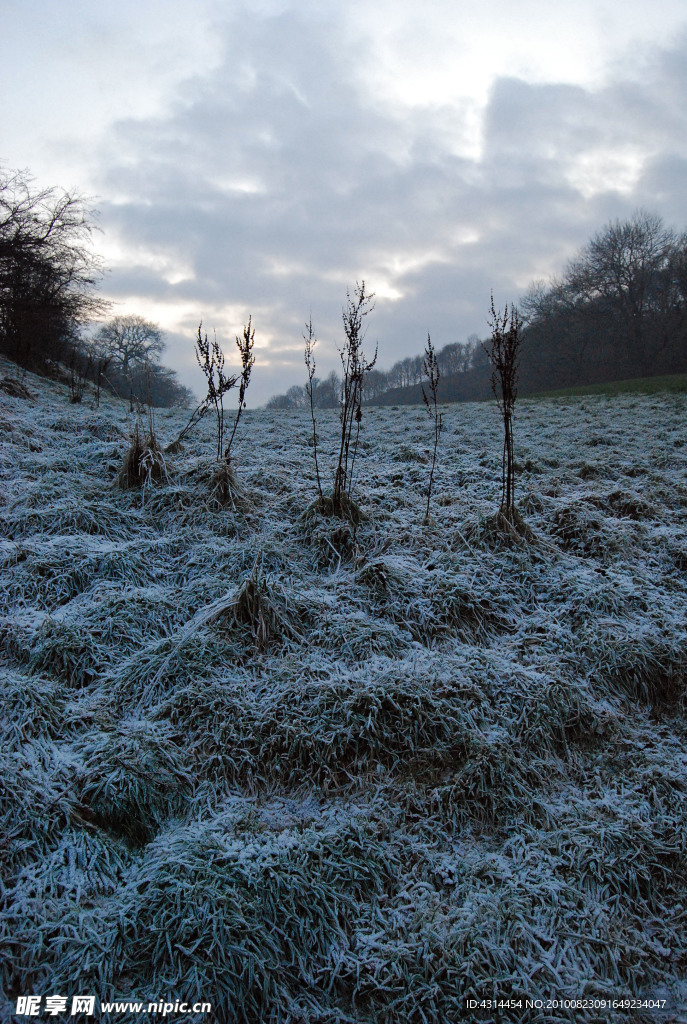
[(348, 189), (664, 183)]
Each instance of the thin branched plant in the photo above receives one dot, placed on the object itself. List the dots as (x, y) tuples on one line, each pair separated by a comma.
[(503, 355), (193, 421), (431, 368), (310, 342), (245, 344), (101, 364), (80, 370), (210, 358), (355, 366)]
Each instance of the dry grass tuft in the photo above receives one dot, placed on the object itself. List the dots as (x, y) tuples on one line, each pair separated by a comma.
[(132, 779), (327, 507), (262, 609), (225, 489), (501, 530), (331, 527), (143, 463), (15, 389)]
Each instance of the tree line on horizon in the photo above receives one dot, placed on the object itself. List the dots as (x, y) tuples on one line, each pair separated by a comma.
[(454, 358), (48, 275), (618, 311)]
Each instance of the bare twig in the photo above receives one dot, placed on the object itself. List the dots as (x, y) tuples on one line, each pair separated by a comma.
[(355, 366), (431, 368), (310, 342), (245, 346), (503, 355), (210, 358)]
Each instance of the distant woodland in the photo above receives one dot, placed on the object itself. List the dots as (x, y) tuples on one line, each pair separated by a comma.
[(619, 311)]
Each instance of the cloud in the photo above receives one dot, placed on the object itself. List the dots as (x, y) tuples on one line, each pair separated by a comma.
[(277, 179)]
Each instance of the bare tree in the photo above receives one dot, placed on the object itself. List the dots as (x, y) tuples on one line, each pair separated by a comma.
[(503, 355), (622, 267), (131, 339), (376, 383), (454, 358), (328, 392), (47, 270), (132, 344)]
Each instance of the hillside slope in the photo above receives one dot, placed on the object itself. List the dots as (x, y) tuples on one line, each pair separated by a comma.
[(315, 774)]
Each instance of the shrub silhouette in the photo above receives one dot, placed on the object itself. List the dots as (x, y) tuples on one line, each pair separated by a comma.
[(503, 355)]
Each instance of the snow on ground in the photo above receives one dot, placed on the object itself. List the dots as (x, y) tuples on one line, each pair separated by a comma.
[(313, 774)]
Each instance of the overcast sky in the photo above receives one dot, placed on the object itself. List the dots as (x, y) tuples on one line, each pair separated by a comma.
[(259, 158)]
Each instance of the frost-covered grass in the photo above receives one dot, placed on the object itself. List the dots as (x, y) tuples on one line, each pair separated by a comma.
[(676, 382), (321, 770)]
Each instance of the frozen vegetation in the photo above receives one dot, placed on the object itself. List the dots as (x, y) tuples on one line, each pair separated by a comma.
[(314, 772)]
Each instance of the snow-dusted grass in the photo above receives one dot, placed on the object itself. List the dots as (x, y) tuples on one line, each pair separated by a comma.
[(312, 769)]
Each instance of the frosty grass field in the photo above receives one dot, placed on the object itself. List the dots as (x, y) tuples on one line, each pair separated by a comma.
[(311, 777)]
